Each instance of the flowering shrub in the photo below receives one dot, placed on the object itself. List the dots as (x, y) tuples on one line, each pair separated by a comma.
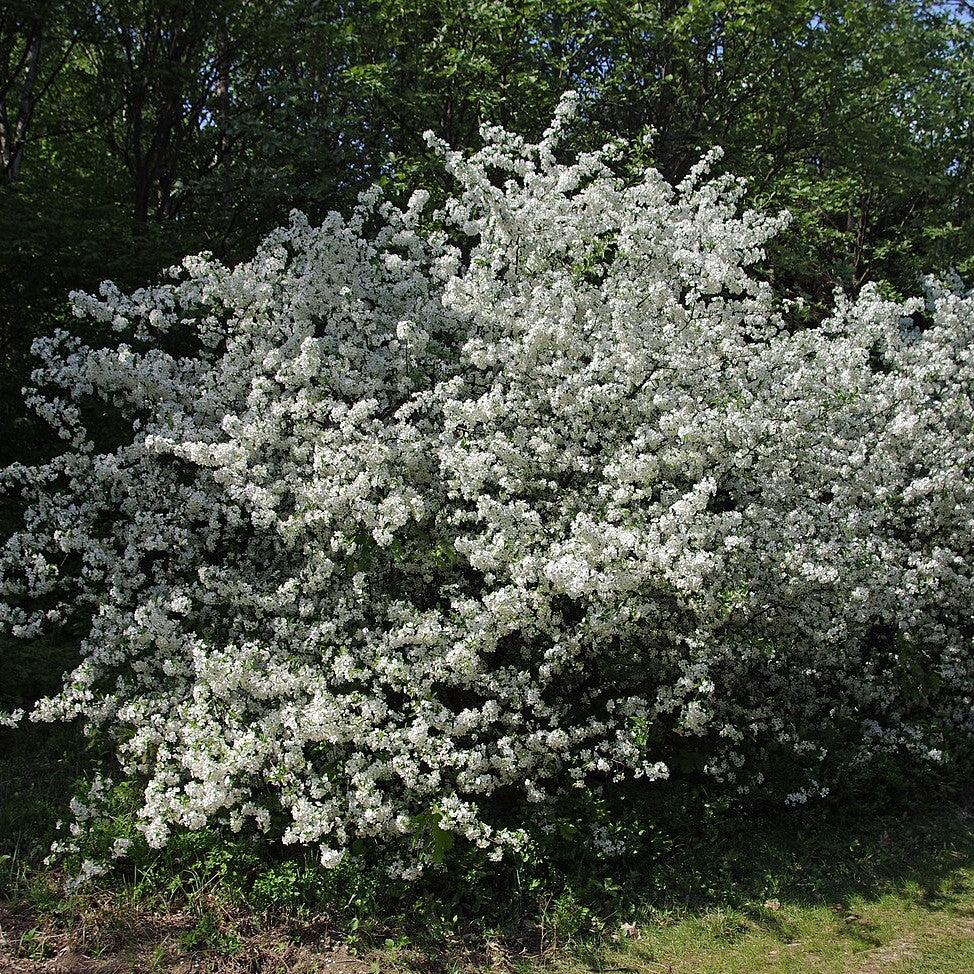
[(421, 518)]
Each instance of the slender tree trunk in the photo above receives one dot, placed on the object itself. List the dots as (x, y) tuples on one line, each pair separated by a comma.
[(143, 193), (14, 140)]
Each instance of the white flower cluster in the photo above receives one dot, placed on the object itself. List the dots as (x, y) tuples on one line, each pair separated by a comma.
[(419, 519)]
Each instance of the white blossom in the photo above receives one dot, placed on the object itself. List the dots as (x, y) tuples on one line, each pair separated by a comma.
[(418, 530)]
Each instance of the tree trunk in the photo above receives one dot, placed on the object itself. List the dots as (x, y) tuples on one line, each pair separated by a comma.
[(143, 192), (14, 140)]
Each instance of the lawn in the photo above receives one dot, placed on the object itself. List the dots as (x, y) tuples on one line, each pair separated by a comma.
[(921, 921)]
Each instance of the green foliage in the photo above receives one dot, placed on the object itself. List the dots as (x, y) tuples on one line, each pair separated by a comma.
[(158, 128), (207, 934)]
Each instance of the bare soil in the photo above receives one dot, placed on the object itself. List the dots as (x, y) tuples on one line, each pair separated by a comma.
[(109, 940)]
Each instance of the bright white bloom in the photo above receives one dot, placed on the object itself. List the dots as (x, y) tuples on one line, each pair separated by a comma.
[(402, 532)]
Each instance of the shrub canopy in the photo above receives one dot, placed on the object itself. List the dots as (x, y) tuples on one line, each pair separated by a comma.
[(417, 521)]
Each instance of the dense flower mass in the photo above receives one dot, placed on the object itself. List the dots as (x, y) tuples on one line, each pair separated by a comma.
[(420, 517)]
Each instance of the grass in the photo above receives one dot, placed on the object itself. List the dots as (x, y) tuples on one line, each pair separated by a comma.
[(824, 892), (880, 883), (903, 926)]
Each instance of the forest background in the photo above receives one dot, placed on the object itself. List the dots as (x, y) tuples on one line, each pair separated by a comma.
[(133, 132)]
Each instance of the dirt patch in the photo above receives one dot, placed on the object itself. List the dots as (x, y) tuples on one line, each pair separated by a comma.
[(109, 940)]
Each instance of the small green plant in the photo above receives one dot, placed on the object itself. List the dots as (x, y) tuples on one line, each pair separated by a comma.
[(208, 934), (34, 945)]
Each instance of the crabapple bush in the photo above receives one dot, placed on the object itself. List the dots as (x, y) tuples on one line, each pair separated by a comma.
[(419, 520)]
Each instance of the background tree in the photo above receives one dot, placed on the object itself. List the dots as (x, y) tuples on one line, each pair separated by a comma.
[(135, 131), (38, 42)]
